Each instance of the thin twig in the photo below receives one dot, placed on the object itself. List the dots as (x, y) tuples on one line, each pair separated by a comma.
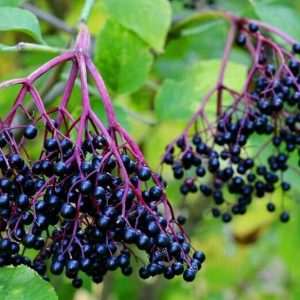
[(23, 47), (86, 11)]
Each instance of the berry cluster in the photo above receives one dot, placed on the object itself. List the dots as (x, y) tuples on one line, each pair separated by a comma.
[(87, 196), (214, 155)]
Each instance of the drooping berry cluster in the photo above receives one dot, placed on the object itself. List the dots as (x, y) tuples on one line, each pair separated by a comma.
[(214, 154), (80, 194)]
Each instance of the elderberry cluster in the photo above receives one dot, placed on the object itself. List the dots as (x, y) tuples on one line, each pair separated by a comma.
[(217, 159), (79, 195), (71, 213)]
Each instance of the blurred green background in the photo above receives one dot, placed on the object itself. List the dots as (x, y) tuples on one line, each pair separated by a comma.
[(150, 72)]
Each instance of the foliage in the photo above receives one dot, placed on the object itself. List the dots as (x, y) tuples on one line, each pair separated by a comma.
[(23, 283)]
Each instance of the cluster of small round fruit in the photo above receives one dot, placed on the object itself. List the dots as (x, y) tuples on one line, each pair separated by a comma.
[(85, 196), (214, 155)]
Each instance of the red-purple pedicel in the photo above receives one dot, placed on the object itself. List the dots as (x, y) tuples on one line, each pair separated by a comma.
[(88, 197)]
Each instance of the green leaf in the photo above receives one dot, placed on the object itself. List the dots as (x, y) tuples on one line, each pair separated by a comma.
[(149, 19), (177, 100), (10, 2), (272, 14), (23, 283), (238, 7), (122, 58), (17, 19), (206, 74), (197, 23), (182, 53)]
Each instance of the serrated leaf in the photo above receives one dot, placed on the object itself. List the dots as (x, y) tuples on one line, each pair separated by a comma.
[(23, 283), (177, 100), (149, 19), (122, 58), (17, 19)]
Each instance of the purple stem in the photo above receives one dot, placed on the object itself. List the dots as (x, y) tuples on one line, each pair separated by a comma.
[(18, 101), (68, 91), (111, 117), (226, 54), (276, 31), (49, 65)]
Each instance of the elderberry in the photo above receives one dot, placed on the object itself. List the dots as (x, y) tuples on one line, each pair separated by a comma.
[(79, 195)]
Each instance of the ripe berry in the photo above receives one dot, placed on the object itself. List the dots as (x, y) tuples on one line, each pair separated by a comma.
[(199, 255), (123, 260), (29, 240), (5, 245), (178, 173), (284, 217), (59, 168), (285, 186), (143, 242), (189, 275), (16, 161), (162, 240), (22, 201), (30, 132), (50, 144), (181, 219), (4, 201), (155, 192), (200, 171), (296, 48), (111, 263), (216, 212), (253, 27), (241, 40), (226, 217), (3, 141), (85, 187), (144, 173), (177, 268), (68, 211), (153, 228), (144, 273), (72, 266), (77, 283), (130, 236), (271, 207), (127, 270), (103, 222)]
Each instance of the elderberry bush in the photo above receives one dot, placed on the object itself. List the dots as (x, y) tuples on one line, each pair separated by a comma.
[(86, 201), (213, 155)]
